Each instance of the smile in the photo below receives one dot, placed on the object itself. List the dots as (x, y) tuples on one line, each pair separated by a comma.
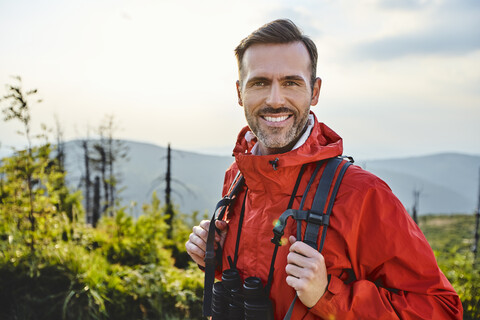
[(275, 119)]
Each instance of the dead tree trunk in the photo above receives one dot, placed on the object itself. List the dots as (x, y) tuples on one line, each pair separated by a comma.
[(96, 202), (168, 191), (477, 222), (416, 199), (88, 182)]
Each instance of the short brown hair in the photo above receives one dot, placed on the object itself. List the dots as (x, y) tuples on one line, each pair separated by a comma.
[(279, 31)]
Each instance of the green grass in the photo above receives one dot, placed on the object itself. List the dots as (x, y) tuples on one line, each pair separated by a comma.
[(446, 232), (451, 238)]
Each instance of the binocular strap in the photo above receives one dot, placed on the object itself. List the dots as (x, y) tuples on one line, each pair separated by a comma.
[(211, 257)]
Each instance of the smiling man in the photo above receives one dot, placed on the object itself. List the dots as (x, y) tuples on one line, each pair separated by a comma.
[(276, 92), (375, 262)]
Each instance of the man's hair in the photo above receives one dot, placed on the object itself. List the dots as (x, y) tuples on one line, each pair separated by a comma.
[(276, 32)]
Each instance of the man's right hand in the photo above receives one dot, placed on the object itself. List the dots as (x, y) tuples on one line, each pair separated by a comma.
[(197, 241)]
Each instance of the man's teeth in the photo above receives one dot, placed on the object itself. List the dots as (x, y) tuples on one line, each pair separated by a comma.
[(276, 119)]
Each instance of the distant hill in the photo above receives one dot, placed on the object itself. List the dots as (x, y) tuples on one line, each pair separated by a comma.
[(448, 182), (197, 178)]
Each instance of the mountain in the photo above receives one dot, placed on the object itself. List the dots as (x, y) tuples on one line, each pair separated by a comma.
[(448, 183), (197, 179)]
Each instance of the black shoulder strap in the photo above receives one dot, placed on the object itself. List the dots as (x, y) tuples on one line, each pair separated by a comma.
[(210, 254), (319, 214)]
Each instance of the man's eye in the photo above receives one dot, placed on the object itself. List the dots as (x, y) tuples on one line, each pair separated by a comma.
[(259, 84), (290, 83)]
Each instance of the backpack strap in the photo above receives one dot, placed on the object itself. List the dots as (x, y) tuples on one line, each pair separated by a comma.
[(320, 212), (211, 257), (318, 215)]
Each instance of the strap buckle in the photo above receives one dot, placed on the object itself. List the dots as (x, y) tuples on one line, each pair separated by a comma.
[(277, 235), (316, 218)]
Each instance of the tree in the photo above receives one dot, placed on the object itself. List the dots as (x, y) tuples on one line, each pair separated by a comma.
[(107, 151), (19, 109), (33, 182)]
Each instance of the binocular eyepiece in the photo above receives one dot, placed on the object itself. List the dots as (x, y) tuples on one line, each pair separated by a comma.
[(231, 300)]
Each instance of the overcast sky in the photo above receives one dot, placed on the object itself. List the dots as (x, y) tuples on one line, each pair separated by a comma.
[(400, 78)]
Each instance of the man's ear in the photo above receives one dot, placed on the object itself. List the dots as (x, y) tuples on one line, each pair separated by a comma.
[(316, 91), (239, 93)]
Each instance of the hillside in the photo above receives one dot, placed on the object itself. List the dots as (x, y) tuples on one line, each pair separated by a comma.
[(448, 182), (197, 178)]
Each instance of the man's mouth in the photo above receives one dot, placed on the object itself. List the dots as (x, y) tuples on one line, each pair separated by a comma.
[(276, 119)]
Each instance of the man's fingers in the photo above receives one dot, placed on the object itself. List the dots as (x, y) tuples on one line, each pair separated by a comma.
[(200, 232), (193, 249), (198, 241), (197, 254), (306, 272), (302, 248), (204, 224), (294, 270), (292, 281), (221, 225)]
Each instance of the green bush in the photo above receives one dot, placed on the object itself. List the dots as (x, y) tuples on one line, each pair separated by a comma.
[(451, 238)]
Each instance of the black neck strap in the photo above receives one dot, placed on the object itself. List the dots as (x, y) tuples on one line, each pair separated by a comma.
[(212, 257)]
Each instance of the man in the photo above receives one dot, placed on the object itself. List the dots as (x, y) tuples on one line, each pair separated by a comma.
[(376, 263)]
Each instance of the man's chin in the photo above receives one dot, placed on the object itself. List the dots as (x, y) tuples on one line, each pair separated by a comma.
[(277, 143)]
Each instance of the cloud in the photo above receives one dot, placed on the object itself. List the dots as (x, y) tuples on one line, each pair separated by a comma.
[(446, 29), (421, 4), (302, 17), (449, 41), (404, 4)]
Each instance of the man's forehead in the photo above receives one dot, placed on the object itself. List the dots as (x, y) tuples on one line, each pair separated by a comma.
[(289, 58)]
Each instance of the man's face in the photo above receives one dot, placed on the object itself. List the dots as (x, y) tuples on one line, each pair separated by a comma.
[(276, 94)]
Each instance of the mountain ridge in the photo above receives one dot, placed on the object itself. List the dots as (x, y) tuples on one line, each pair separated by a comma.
[(447, 181)]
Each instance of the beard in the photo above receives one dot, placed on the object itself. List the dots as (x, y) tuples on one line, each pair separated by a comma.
[(278, 137)]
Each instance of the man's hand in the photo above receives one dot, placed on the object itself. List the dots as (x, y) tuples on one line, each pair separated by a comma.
[(306, 272), (197, 241)]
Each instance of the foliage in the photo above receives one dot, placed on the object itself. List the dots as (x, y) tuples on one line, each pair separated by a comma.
[(120, 270), (451, 238)]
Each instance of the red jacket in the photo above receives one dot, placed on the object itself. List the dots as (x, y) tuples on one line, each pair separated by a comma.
[(371, 238)]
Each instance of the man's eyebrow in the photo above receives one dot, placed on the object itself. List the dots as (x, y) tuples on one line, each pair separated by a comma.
[(294, 77), (255, 79), (291, 77)]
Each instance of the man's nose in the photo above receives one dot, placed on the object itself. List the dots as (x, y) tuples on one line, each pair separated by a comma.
[(275, 96)]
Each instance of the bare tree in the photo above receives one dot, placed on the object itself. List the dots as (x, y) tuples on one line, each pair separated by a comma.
[(87, 180), (107, 151), (477, 222), (416, 201)]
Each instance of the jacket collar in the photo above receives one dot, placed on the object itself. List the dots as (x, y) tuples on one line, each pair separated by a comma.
[(259, 171)]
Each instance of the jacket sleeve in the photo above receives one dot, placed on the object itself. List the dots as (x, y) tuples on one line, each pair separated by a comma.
[(396, 274)]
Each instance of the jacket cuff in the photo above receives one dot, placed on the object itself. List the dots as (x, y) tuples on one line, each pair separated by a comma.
[(325, 306)]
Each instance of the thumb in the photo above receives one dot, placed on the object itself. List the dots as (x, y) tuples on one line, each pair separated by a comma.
[(221, 225), (292, 239)]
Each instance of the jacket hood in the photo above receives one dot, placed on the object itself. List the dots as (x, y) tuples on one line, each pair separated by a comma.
[(323, 143)]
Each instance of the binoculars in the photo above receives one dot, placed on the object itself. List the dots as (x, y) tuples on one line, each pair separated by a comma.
[(233, 301)]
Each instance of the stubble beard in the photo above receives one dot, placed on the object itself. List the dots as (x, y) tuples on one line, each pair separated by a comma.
[(274, 138)]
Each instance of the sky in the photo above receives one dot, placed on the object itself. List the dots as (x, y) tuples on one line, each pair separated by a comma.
[(400, 78)]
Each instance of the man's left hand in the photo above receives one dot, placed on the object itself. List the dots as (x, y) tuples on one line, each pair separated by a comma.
[(306, 272)]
